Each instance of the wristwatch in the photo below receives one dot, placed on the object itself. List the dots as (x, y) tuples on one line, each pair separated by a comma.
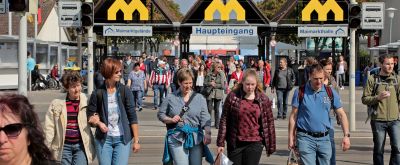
[(347, 135)]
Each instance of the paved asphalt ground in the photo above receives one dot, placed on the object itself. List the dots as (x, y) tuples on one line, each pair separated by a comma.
[(152, 133)]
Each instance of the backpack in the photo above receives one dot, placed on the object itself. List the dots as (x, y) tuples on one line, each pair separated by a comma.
[(329, 92), (371, 109)]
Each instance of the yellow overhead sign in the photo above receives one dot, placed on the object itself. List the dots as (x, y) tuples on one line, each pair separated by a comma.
[(128, 10), (322, 10), (224, 10)]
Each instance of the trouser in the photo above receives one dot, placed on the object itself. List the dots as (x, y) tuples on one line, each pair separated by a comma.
[(74, 154), (282, 95), (313, 149), (379, 130), (138, 98), (246, 153), (158, 94), (198, 89), (182, 156), (113, 151), (341, 79), (214, 104)]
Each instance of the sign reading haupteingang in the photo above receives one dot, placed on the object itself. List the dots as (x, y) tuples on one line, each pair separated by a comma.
[(224, 31), (322, 31), (127, 31), (330, 12)]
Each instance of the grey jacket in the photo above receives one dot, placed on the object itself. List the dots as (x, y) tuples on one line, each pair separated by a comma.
[(218, 90)]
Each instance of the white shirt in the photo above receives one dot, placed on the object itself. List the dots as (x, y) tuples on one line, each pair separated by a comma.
[(114, 121), (200, 80)]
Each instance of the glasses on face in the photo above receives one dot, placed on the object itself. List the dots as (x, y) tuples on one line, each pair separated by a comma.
[(13, 130), (118, 71)]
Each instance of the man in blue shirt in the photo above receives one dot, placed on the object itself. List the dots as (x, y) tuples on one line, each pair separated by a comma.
[(309, 122), (30, 63)]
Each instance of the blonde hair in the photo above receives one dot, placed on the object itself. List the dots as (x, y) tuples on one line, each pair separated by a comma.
[(249, 73), (184, 74)]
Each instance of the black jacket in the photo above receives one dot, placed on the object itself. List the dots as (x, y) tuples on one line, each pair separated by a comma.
[(290, 78)]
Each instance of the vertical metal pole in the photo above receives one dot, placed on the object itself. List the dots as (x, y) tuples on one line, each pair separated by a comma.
[(390, 30), (352, 73), (22, 50), (90, 58), (79, 60), (9, 23)]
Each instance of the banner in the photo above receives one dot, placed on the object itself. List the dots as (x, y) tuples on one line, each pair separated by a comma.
[(321, 31), (127, 31), (224, 31)]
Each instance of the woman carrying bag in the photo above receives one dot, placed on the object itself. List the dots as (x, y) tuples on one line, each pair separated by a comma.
[(188, 122), (247, 123)]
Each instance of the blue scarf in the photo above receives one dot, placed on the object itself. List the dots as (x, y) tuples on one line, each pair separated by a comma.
[(188, 131)]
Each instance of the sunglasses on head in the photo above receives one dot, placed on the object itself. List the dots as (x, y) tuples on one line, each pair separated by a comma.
[(13, 130)]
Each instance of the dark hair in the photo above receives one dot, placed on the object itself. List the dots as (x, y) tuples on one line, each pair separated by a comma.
[(109, 67), (71, 78), (383, 57), (20, 106), (316, 68), (136, 64)]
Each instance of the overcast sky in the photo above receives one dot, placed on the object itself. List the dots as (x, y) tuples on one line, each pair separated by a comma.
[(186, 4)]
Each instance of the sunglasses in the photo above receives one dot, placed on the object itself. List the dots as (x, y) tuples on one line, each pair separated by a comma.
[(13, 130), (118, 71)]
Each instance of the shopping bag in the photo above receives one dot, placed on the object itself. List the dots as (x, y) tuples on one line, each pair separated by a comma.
[(293, 159), (221, 159)]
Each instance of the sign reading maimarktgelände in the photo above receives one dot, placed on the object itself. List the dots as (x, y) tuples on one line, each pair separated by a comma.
[(224, 30), (373, 15), (322, 31), (127, 31)]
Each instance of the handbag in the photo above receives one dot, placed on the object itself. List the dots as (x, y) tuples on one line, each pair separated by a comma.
[(221, 159), (293, 159), (206, 91)]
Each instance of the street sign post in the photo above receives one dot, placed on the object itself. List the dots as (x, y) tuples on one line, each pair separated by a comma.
[(127, 31), (373, 14), (69, 13), (3, 6)]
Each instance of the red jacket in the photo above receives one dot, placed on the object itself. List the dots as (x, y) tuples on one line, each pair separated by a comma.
[(267, 75), (229, 122), (235, 76)]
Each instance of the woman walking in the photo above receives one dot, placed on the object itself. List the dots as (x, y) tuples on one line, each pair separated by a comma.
[(247, 123), (137, 83), (67, 132), (188, 122), (111, 111), (215, 82)]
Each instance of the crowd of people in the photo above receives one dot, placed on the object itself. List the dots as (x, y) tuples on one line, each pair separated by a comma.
[(187, 96)]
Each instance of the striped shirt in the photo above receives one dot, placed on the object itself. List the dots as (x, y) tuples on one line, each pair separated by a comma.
[(72, 134), (160, 76)]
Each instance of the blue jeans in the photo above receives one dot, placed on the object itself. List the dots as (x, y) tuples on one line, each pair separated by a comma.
[(313, 149), (74, 154), (332, 138), (181, 156), (282, 95), (113, 151), (158, 94), (138, 97), (379, 130)]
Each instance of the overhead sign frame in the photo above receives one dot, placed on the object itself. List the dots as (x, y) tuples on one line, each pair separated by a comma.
[(69, 13), (373, 15), (128, 31), (3, 6), (322, 31)]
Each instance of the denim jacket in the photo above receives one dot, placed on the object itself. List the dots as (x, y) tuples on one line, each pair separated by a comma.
[(128, 118)]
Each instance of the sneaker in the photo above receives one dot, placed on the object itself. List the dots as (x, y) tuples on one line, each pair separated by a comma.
[(278, 118), (140, 109), (155, 108)]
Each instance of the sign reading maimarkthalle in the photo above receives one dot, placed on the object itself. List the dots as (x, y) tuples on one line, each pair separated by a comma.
[(224, 30), (127, 31), (323, 31)]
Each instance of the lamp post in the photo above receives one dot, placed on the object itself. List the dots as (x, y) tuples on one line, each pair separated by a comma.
[(391, 16)]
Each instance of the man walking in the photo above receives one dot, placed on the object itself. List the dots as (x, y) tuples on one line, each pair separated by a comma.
[(309, 122), (282, 82), (128, 67), (381, 95), (159, 81)]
